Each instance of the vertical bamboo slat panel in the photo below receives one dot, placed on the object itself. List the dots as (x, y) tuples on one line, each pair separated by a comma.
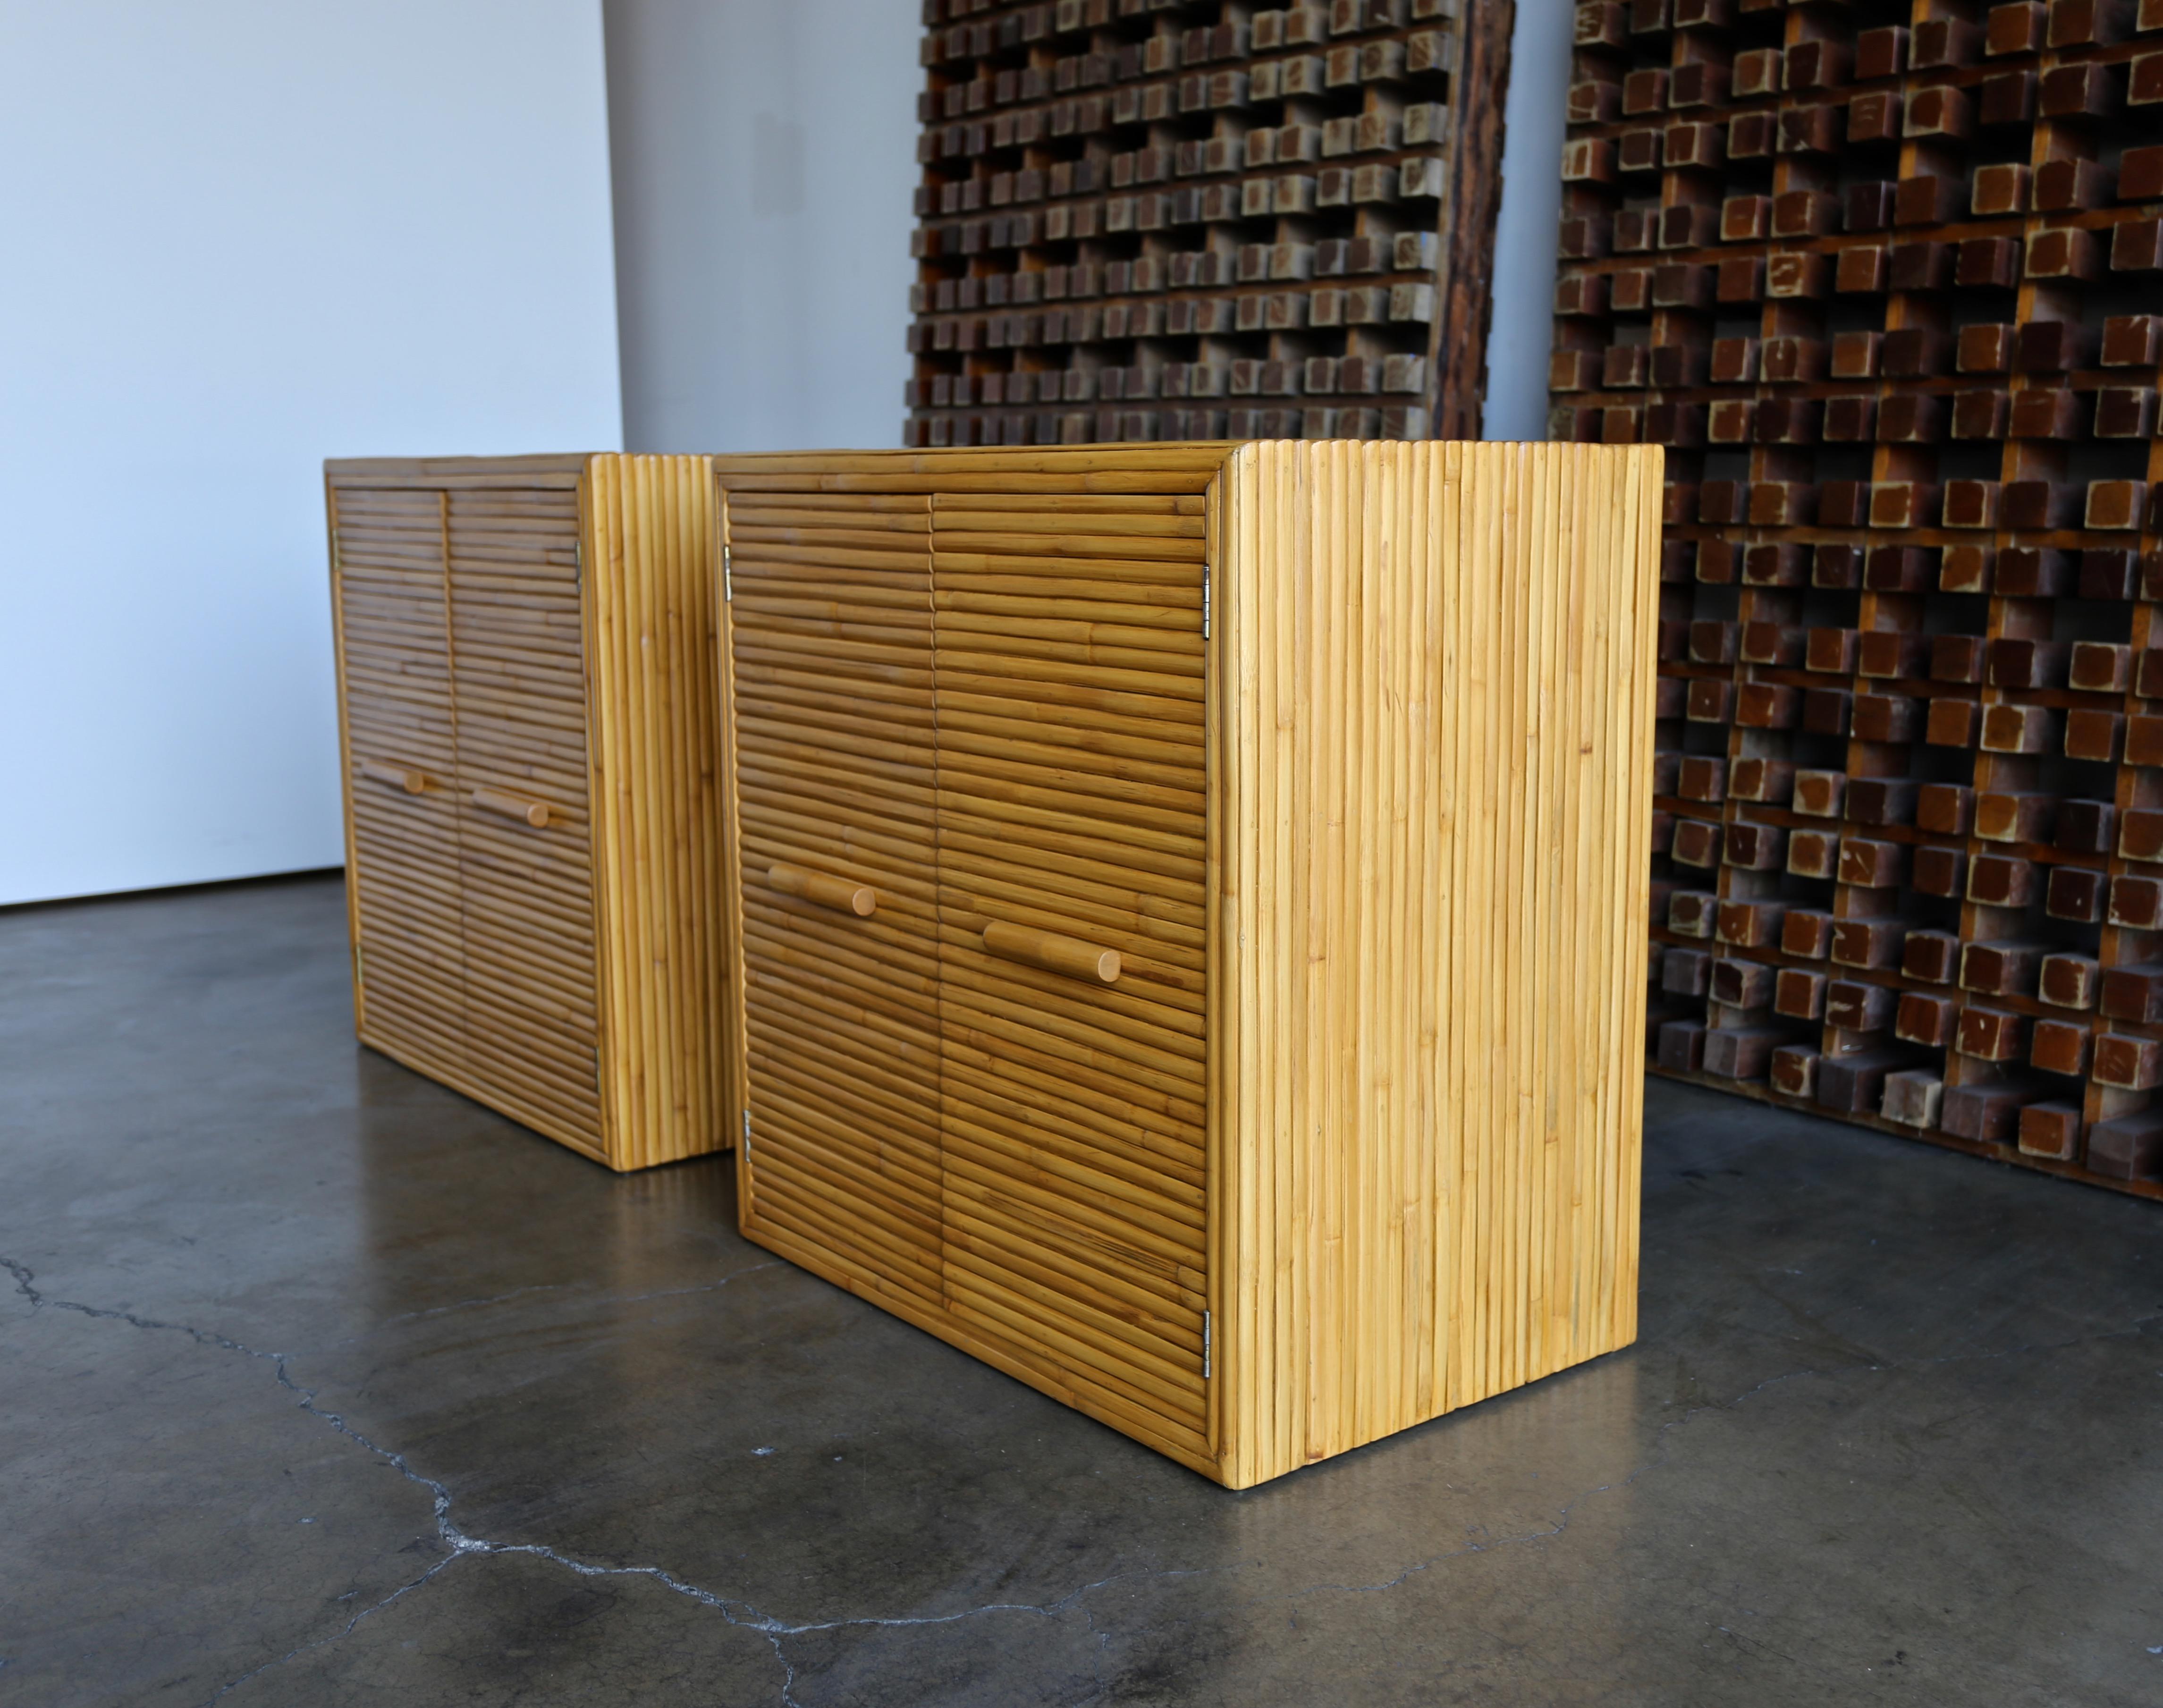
[(529, 713), (1426, 724), (1443, 685)]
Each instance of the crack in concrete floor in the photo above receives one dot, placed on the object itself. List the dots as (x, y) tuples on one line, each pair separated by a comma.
[(744, 1615)]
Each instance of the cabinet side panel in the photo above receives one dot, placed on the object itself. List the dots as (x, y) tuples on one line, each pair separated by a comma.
[(1431, 1186), (656, 721)]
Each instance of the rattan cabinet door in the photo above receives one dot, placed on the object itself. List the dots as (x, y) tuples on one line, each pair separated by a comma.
[(1072, 825), (394, 654), (831, 622), (520, 683)]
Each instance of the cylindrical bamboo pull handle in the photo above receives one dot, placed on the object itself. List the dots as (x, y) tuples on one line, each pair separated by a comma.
[(1053, 953), (837, 892), (513, 806), (403, 777)]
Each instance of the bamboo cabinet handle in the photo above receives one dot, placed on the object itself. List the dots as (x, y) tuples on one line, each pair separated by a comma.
[(403, 777), (512, 806), (836, 893), (1053, 953)]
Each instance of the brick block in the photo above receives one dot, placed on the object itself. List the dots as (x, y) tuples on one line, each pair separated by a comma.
[(2128, 1062), (1925, 1020), (1854, 1084), (2050, 1129), (1991, 1112), (2127, 1147), (1742, 1052), (1931, 956), (1795, 1070), (1681, 1048), (1912, 1096)]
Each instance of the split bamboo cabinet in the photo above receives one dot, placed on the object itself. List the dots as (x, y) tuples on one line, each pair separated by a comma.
[(1191, 944), (527, 687)]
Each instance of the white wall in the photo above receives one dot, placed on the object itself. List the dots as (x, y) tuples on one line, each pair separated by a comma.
[(244, 235), (765, 152), (762, 220), (1523, 325)]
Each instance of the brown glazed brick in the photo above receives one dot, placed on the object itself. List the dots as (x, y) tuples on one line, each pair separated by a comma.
[(1750, 924), (1881, 800), (1991, 1034), (2125, 412), (1986, 348), (1716, 561), (2019, 728), (2007, 98), (1967, 569), (1742, 1052), (2144, 740), (1924, 1019), (2133, 993), (1686, 972), (1820, 794), (2127, 1063), (2052, 1130), (1999, 881), (1952, 723), (2015, 818), (2074, 892), (1867, 943), (1853, 1084), (1771, 565), (1700, 776), (1697, 843), (1913, 1096), (1711, 700), (1981, 413), (1663, 831), (2147, 670), (1843, 504), (1812, 853), (1795, 1070), (1779, 645), (1824, 710), (1806, 933), (1936, 870), (1853, 1006), (1958, 658), (1799, 993), (2060, 1046), (1872, 865), (1989, 1112), (1692, 912), (1829, 652), (1999, 969), (2092, 735), (1888, 717), (2101, 667), (1682, 1046), (2068, 981), (1742, 984), (2039, 505), (1931, 956), (2033, 572), (2127, 1147), (2025, 664), (2140, 833), (1897, 570), (1913, 353), (1836, 566), (1753, 847), (1767, 780), (1891, 653), (1768, 705), (2086, 826), (2048, 412), (1944, 809), (2136, 903), (2131, 340)]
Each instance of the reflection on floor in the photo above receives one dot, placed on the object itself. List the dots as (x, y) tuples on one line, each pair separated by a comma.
[(325, 1386)]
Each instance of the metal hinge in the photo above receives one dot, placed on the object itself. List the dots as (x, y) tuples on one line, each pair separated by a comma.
[(1205, 601), (1205, 1346), (728, 592)]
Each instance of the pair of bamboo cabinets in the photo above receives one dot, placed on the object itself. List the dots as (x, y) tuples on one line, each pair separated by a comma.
[(1169, 921)]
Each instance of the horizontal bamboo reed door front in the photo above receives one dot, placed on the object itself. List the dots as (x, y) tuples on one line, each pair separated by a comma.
[(526, 652), (1190, 950)]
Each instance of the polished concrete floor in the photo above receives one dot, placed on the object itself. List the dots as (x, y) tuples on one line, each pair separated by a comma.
[(320, 1384)]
